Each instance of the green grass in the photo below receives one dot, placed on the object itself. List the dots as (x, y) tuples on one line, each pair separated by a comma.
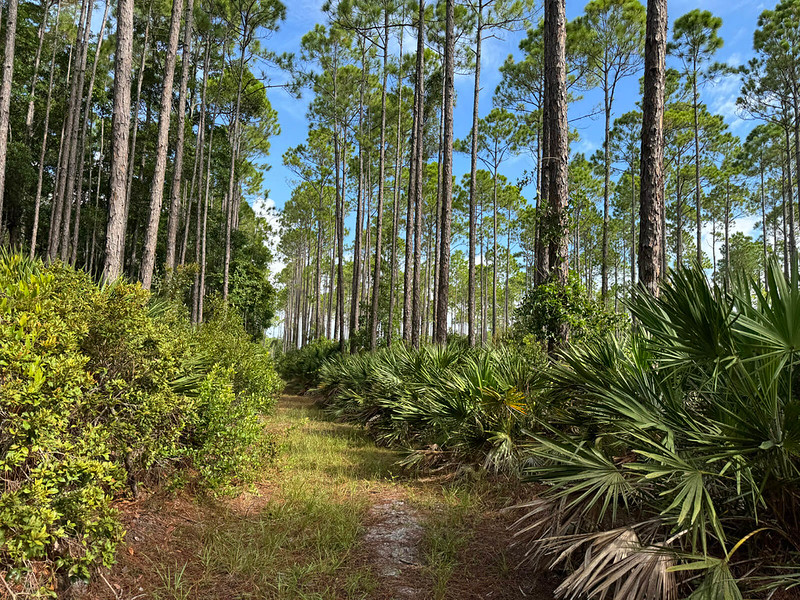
[(304, 539)]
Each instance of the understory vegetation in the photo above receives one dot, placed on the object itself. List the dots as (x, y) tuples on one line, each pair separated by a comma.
[(670, 453), (103, 389)]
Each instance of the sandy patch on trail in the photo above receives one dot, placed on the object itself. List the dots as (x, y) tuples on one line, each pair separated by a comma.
[(392, 541)]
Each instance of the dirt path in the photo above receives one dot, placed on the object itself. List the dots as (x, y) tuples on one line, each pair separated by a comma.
[(335, 518)]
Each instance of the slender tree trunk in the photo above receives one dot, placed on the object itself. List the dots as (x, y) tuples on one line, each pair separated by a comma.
[(697, 191), (376, 277), (651, 201), (204, 239), (473, 182), (556, 97), (36, 63), (55, 203), (415, 169), (633, 227), (177, 170), (82, 140), (68, 191), (134, 133), (397, 185), (5, 95), (355, 291), (162, 143), (797, 174), (233, 197), (445, 229), (763, 219), (679, 214), (607, 190), (419, 177), (45, 134), (119, 141)]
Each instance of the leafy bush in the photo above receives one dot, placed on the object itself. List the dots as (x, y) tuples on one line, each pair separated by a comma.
[(99, 386), (226, 434), (301, 367), (675, 468), (549, 305)]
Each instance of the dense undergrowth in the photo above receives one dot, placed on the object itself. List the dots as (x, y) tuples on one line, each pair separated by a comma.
[(103, 388), (670, 454)]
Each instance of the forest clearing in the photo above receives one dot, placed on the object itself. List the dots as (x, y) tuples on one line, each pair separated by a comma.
[(433, 299)]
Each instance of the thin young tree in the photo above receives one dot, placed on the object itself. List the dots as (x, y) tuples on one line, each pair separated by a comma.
[(695, 42), (610, 39), (162, 143)]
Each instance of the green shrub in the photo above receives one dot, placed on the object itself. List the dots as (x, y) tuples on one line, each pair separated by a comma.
[(98, 385), (674, 466), (301, 367), (545, 307), (226, 433), (468, 404)]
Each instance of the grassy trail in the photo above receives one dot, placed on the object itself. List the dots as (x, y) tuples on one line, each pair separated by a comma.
[(334, 519)]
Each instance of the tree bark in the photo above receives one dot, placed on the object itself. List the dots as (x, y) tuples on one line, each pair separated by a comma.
[(651, 199), (397, 185), (36, 63), (162, 143), (418, 177), (82, 141), (177, 170), (445, 229), (376, 278), (119, 141), (5, 95), (558, 155), (45, 134), (473, 182)]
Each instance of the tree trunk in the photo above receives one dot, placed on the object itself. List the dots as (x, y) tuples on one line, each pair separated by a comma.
[(120, 128), (473, 181), (606, 190), (82, 140), (651, 185), (36, 63), (397, 185), (140, 80), (355, 291), (558, 148), (445, 229), (177, 170), (46, 131), (376, 278), (5, 95), (162, 143), (67, 192), (697, 191), (419, 177), (763, 219)]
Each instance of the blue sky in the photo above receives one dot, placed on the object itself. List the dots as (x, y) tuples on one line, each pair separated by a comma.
[(739, 21)]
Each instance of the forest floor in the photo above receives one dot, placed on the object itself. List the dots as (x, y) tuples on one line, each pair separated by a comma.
[(334, 518)]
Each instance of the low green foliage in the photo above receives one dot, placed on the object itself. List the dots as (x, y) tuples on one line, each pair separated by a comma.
[(440, 402), (99, 388), (547, 306), (674, 462), (301, 367)]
